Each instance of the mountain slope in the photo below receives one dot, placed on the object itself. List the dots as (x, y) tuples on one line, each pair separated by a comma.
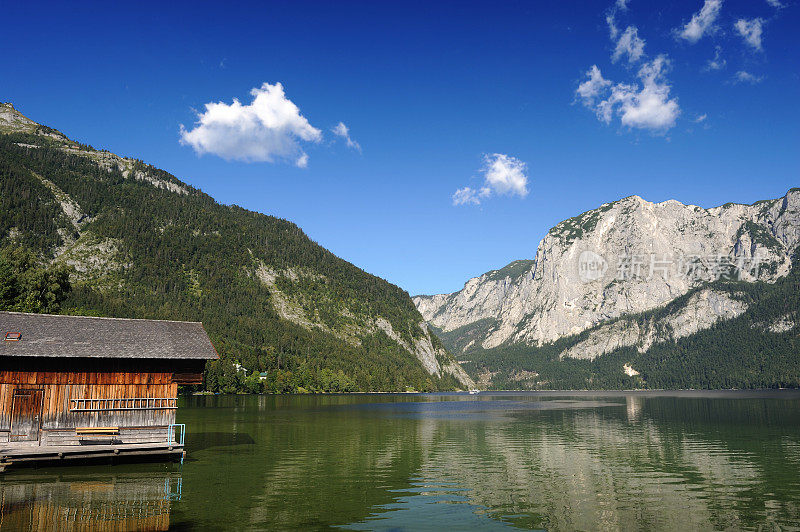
[(144, 244), (600, 283)]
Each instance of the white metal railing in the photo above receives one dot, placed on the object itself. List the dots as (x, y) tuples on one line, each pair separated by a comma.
[(129, 403)]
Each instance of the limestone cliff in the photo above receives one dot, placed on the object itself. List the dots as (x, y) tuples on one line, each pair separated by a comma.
[(619, 260)]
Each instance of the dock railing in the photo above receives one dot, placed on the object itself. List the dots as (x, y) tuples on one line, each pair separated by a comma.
[(172, 438)]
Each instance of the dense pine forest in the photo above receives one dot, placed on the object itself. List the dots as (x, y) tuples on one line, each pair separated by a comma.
[(137, 242)]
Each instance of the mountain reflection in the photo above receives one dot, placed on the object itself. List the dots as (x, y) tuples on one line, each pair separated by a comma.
[(657, 463), (430, 462)]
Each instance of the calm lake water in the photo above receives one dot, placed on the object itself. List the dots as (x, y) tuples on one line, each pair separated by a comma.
[(556, 461)]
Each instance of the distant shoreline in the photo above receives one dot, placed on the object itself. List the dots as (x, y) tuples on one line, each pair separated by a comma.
[(725, 391)]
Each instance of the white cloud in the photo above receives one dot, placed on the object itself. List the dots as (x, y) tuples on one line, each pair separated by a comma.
[(270, 128), (701, 118), (650, 107), (623, 4), (775, 3), (702, 22), (342, 130), (644, 107), (747, 77), (470, 196), (591, 89), (506, 175), (502, 175), (612, 25), (718, 63), (629, 43), (750, 31)]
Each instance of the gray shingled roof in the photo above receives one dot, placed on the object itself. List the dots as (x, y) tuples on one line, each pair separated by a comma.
[(46, 335)]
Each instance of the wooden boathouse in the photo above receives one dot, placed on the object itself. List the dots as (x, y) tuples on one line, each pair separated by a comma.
[(83, 387)]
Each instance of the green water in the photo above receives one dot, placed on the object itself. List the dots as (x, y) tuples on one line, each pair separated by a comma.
[(681, 461)]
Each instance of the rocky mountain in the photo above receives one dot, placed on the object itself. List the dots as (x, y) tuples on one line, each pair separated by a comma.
[(141, 243), (596, 277)]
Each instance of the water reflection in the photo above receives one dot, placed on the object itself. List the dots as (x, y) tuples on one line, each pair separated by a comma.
[(432, 462), (76, 501), (633, 406)]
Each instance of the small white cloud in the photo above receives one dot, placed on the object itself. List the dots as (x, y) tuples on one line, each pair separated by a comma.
[(502, 175), (701, 118), (646, 107), (718, 63), (506, 175), (469, 196), (590, 90), (701, 23), (747, 77), (750, 31), (270, 128), (775, 3), (342, 130), (623, 4), (650, 107), (612, 25), (629, 43)]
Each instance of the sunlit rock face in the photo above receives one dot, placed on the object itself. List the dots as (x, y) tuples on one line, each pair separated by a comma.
[(624, 258)]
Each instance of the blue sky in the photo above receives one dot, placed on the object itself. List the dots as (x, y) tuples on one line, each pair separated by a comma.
[(697, 106)]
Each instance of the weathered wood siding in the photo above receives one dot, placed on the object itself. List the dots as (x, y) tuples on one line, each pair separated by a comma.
[(59, 422), (92, 379)]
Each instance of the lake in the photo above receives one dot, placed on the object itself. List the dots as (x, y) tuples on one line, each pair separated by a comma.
[(493, 461)]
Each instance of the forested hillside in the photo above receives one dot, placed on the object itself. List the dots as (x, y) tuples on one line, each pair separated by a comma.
[(140, 243)]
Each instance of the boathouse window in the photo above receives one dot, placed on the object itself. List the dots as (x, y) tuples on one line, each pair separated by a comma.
[(13, 337)]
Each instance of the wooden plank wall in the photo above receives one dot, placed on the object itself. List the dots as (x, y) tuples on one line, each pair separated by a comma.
[(58, 422), (84, 377), (6, 398), (66, 378), (56, 412)]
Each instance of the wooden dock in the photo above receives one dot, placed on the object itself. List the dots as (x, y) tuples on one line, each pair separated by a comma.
[(33, 455)]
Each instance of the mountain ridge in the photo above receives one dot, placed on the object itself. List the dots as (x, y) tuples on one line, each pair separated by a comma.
[(142, 243), (553, 298)]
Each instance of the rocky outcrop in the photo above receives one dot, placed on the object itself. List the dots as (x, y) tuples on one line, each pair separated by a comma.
[(92, 257), (436, 360), (12, 121), (702, 310), (620, 259)]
